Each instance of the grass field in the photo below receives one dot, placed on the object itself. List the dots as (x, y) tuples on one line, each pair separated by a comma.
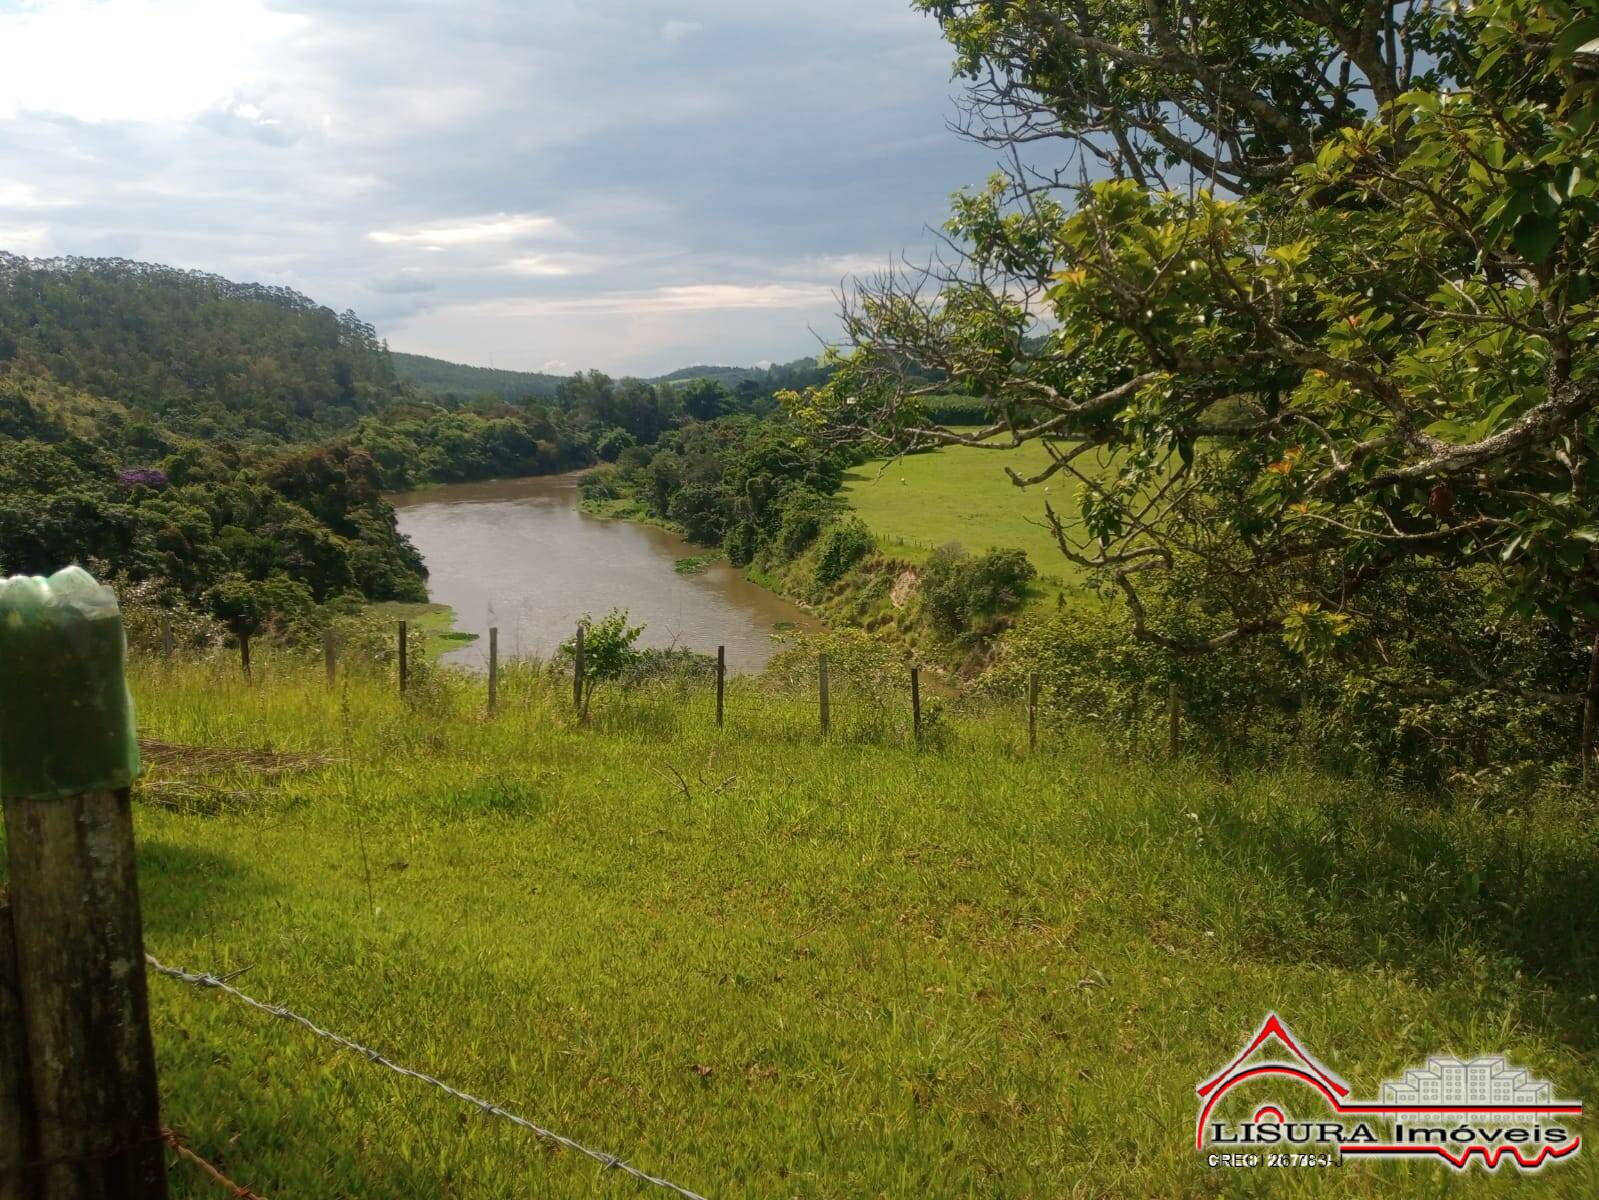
[(764, 967), (958, 494)]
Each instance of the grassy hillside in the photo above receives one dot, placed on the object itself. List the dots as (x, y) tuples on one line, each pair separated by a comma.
[(760, 966), (440, 378), (921, 501)]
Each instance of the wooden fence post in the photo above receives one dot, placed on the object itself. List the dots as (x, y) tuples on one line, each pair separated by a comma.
[(821, 679), (16, 1088), (494, 666), (244, 653), (166, 637), (67, 757), (916, 704), (1032, 711), (405, 660), (1174, 717), (577, 671), (721, 681), (330, 655)]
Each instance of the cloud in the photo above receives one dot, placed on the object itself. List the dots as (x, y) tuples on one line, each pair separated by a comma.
[(133, 60), (405, 283), (692, 298), (242, 118), (676, 31), (473, 232), (23, 195), (537, 264), (26, 240), (488, 179)]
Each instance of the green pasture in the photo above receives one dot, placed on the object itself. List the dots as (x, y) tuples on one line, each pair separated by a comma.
[(919, 502), (762, 965)]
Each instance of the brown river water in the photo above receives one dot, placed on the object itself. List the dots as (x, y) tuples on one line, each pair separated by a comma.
[(519, 554)]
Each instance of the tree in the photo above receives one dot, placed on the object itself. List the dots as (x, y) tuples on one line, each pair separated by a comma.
[(705, 399), (1331, 315), (608, 651)]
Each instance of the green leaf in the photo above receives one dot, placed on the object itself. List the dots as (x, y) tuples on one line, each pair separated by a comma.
[(1535, 237), (1574, 37)]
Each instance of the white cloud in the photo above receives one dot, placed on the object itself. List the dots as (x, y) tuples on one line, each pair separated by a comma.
[(472, 232), (701, 297), (557, 366), (29, 240), (133, 60), (676, 31), (22, 195), (435, 165), (537, 265)]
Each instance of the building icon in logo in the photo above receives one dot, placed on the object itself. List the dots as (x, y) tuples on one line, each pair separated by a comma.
[(1461, 1083)]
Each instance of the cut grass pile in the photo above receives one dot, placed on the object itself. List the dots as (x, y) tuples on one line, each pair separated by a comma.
[(959, 494), (762, 966)]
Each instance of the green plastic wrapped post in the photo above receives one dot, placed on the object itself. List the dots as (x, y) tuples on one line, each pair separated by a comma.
[(66, 718)]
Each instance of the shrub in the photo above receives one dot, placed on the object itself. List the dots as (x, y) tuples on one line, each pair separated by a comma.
[(609, 650), (959, 590), (612, 443), (740, 543), (634, 459), (801, 515), (602, 483), (842, 546)]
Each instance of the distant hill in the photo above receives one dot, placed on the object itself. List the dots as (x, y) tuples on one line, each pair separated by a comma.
[(201, 354), (440, 378), (790, 374), (728, 377)]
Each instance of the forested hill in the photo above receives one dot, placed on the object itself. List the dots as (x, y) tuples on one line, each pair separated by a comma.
[(201, 354), (229, 445), (439, 378)]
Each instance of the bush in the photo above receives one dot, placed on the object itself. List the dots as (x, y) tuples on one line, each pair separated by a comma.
[(634, 459), (1395, 700), (611, 443), (801, 515), (843, 545), (958, 591), (602, 483), (609, 651), (740, 543)]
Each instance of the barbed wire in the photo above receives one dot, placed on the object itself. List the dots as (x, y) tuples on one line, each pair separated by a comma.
[(608, 1161)]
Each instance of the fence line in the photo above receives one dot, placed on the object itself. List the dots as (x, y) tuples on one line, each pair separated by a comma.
[(609, 1161)]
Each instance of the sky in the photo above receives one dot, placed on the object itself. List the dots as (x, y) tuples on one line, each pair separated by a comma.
[(539, 185)]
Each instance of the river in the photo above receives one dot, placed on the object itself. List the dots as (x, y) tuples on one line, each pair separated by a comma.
[(519, 554)]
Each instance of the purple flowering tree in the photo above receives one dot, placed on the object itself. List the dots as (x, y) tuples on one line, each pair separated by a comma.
[(150, 477)]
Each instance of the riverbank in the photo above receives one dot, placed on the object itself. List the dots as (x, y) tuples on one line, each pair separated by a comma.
[(878, 592), (520, 555), (435, 622)]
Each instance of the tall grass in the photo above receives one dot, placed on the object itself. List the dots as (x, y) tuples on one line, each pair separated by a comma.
[(762, 965)]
